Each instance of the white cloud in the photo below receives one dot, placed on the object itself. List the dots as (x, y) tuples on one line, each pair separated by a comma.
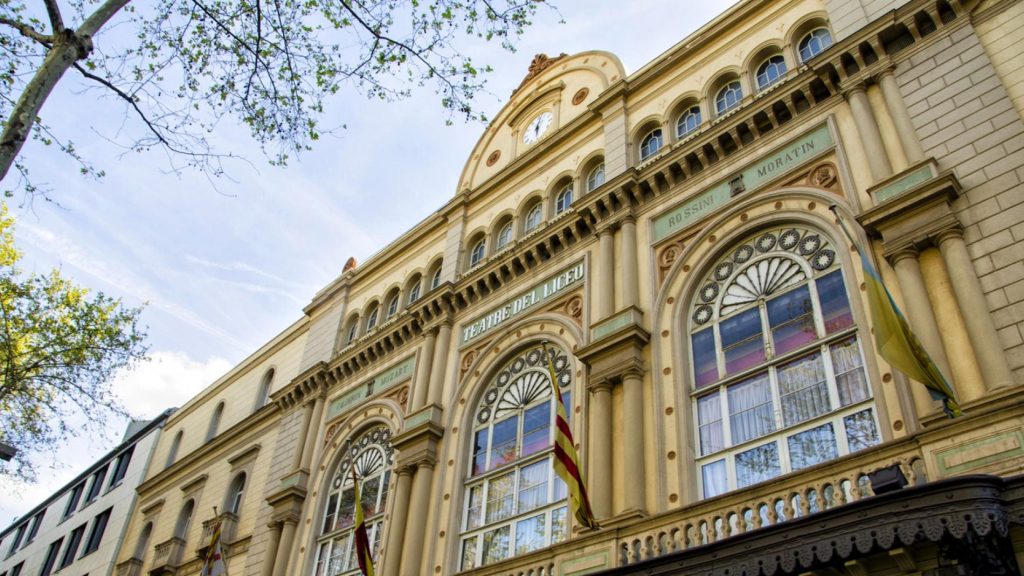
[(168, 379)]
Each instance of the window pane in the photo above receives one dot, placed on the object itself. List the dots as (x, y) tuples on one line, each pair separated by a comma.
[(559, 526), (337, 565), (757, 465), (479, 452), (536, 429), (860, 430), (812, 446), (561, 491), (530, 534), (741, 341), (533, 486), (803, 390), (474, 514), (835, 308), (791, 317), (715, 481), (495, 545), (849, 368), (500, 501), (469, 553), (370, 488), (705, 357), (332, 505), (750, 409), (346, 510), (503, 442), (709, 418)]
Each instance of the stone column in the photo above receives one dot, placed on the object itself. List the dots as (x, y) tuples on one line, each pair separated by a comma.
[(270, 554), (439, 365), (633, 436), (416, 527), (900, 117), (974, 308), (871, 138), (630, 270), (605, 285), (921, 317), (284, 549), (600, 450), (307, 417), (312, 428), (399, 519), (419, 391)]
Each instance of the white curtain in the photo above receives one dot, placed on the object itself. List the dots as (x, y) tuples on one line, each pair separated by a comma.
[(750, 409), (803, 390)]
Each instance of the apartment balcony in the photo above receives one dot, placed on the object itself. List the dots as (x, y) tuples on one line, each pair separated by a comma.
[(228, 528), (809, 522), (132, 567), (167, 556)]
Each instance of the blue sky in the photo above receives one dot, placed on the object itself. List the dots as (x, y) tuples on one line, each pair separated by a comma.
[(223, 266)]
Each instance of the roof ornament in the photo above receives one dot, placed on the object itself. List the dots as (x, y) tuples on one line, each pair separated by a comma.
[(350, 264), (540, 63)]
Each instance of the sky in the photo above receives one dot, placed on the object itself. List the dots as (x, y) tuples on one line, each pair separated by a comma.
[(223, 266)]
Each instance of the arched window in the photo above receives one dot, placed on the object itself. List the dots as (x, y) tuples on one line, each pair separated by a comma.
[(233, 503), (476, 254), (372, 456), (728, 97), (414, 289), (564, 199), (513, 501), (263, 395), (533, 218), (184, 520), (141, 545), (371, 318), (688, 122), (778, 376), (814, 43), (504, 236), (596, 177), (172, 454), (392, 306), (770, 71), (650, 144), (353, 330), (218, 412), (435, 279)]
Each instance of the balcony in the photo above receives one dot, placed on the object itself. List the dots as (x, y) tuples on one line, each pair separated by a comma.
[(167, 556), (132, 567), (228, 527)]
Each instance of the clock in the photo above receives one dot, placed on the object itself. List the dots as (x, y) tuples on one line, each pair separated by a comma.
[(538, 127)]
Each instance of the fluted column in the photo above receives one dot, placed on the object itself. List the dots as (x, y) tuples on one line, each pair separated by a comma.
[(439, 365), (988, 349), (605, 274), (630, 271), (412, 553), (312, 428), (633, 436), (307, 417), (921, 318), (900, 117), (392, 555), (284, 549), (270, 554), (871, 138), (600, 450), (426, 360)]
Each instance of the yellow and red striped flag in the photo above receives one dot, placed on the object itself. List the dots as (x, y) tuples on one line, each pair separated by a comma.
[(213, 564), (567, 464), (359, 533)]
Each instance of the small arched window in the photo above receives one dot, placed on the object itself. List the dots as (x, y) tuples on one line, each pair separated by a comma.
[(688, 122), (263, 395), (233, 503), (728, 97), (504, 236), (392, 306), (414, 290), (651, 143), (141, 545), (770, 71), (814, 43), (564, 199), (371, 318), (218, 412), (595, 178), (172, 454), (353, 330), (476, 254), (184, 520), (435, 279), (533, 218)]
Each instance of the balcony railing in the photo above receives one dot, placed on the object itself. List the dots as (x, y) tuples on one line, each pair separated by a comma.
[(168, 553), (228, 527), (131, 567)]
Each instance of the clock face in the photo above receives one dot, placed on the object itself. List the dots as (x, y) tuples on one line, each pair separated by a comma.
[(536, 128)]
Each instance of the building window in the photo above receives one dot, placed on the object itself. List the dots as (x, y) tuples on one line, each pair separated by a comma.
[(371, 319), (97, 484), (476, 255), (533, 218), (728, 97), (34, 527), (651, 144), (596, 177), (414, 290), (688, 122), (17, 539), (770, 71), (73, 498), (72, 548), (504, 237), (263, 396), (814, 43), (392, 306), (564, 199), (172, 454), (235, 493), (184, 520), (211, 430), (51, 557), (99, 525), (16, 571), (372, 457), (513, 501), (778, 376), (435, 279), (353, 331), (121, 466)]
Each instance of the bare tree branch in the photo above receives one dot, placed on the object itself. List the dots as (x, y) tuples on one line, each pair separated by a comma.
[(28, 31)]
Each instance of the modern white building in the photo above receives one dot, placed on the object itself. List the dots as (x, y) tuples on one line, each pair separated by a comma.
[(78, 530)]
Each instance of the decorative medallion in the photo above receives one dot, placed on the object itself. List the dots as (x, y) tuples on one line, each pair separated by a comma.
[(494, 157), (580, 96)]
